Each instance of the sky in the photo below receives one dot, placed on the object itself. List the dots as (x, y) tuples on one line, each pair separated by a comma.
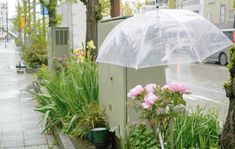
[(11, 7)]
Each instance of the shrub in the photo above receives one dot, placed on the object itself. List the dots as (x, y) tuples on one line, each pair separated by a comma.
[(34, 57), (193, 129), (90, 116), (43, 74), (68, 93), (142, 138), (37, 53), (18, 42), (197, 129)]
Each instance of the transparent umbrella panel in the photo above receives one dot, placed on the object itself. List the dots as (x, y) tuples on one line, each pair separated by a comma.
[(162, 37)]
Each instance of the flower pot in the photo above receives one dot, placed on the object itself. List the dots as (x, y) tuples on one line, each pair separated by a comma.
[(90, 136), (100, 137)]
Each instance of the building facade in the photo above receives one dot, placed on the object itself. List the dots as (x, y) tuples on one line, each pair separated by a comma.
[(74, 17), (219, 12), (3, 18)]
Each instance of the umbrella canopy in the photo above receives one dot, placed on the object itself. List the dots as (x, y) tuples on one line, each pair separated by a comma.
[(162, 37)]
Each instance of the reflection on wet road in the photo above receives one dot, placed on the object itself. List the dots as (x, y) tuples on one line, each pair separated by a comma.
[(205, 81)]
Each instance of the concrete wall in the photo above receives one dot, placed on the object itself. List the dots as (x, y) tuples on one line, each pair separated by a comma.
[(74, 17)]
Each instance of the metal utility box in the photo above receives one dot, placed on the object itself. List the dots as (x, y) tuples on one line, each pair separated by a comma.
[(58, 38), (116, 81)]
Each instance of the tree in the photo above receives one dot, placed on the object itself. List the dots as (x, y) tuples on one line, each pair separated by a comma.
[(227, 137), (51, 6), (93, 14), (105, 7), (126, 9)]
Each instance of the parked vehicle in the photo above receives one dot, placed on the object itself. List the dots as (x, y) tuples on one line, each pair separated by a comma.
[(223, 56)]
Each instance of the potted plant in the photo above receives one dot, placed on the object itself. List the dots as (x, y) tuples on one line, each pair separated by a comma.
[(92, 125), (100, 137)]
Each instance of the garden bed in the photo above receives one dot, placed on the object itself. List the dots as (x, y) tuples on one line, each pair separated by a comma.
[(65, 141)]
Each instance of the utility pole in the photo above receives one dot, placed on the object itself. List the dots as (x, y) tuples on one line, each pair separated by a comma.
[(29, 21), (43, 20), (115, 8), (34, 12), (7, 20), (25, 17)]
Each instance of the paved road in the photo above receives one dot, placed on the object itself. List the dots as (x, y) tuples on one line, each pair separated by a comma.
[(205, 81), (20, 126)]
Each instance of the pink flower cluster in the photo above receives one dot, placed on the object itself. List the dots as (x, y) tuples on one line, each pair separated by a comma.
[(176, 87), (148, 92), (136, 91), (149, 100)]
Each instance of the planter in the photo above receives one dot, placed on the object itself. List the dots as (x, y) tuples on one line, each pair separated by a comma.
[(100, 137)]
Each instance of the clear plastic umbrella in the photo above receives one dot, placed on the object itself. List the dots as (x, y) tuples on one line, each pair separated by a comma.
[(162, 37)]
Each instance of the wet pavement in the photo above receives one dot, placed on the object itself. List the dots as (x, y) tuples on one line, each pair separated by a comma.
[(205, 82), (20, 125)]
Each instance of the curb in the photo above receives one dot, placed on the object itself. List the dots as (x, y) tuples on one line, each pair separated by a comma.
[(64, 141)]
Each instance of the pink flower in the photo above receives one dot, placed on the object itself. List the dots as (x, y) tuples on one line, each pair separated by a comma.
[(136, 91), (176, 87), (149, 100), (150, 87), (146, 105)]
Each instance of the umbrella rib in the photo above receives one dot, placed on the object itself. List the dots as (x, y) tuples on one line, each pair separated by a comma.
[(142, 43), (165, 57), (188, 37)]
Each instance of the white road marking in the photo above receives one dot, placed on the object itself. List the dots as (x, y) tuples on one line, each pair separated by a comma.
[(198, 97)]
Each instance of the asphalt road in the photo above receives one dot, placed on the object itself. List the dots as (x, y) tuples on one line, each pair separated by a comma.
[(205, 82)]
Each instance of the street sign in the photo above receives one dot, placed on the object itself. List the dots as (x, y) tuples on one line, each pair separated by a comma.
[(22, 22)]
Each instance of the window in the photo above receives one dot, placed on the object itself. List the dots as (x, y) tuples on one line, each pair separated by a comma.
[(57, 36), (65, 37), (228, 34), (222, 13), (209, 17), (61, 37)]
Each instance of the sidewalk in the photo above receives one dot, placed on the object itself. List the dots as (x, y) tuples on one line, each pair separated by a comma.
[(20, 125)]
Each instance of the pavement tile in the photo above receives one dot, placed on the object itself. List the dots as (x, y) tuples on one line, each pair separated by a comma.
[(35, 141), (37, 147), (25, 94), (12, 133), (31, 117), (34, 136), (12, 143), (50, 139), (36, 130), (32, 125), (12, 127)]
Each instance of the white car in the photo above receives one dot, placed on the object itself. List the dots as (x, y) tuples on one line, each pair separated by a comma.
[(223, 56)]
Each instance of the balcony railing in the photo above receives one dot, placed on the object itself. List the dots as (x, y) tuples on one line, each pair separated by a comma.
[(191, 2)]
